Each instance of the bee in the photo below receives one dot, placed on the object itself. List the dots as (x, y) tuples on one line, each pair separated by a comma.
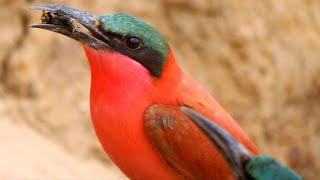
[(58, 19), (46, 18)]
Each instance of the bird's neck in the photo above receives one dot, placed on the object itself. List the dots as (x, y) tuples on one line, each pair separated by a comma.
[(121, 80), (116, 82)]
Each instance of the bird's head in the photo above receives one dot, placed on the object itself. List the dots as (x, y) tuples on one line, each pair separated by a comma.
[(119, 33)]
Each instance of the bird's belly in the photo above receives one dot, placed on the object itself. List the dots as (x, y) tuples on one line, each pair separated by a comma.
[(122, 135)]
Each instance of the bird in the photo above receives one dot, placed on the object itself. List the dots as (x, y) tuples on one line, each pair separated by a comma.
[(244, 165), (137, 91)]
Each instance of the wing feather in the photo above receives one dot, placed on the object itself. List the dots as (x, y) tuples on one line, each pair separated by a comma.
[(182, 145)]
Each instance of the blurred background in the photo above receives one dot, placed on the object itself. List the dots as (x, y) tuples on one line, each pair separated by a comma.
[(260, 59)]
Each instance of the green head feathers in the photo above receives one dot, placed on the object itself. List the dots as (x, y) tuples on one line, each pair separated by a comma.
[(125, 25), (127, 32)]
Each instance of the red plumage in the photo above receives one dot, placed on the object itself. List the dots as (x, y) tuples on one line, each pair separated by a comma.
[(121, 92)]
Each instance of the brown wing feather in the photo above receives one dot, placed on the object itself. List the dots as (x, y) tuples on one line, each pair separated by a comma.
[(182, 145)]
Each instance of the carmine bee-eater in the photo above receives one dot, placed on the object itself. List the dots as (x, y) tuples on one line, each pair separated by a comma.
[(243, 164), (137, 89)]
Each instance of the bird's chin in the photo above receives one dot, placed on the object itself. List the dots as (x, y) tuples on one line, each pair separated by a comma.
[(67, 21)]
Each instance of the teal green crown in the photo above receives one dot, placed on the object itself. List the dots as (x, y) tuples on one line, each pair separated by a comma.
[(125, 25)]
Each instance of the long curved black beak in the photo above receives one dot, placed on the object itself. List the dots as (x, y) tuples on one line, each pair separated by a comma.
[(233, 152), (61, 19)]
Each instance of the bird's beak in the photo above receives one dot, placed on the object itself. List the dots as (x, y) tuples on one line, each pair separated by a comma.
[(62, 19), (233, 152)]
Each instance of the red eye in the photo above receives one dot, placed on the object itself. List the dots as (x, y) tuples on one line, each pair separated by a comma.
[(133, 43)]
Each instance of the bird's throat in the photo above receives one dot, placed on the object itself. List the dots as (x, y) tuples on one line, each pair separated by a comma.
[(120, 88)]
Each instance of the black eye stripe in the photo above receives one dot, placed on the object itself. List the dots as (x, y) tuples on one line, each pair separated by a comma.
[(146, 56)]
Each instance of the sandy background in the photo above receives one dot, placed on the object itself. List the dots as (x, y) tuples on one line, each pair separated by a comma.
[(260, 59)]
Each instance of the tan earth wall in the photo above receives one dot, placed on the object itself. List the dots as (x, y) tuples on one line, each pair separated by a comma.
[(260, 59)]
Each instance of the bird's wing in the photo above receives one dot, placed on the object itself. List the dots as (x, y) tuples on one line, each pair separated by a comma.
[(182, 145), (243, 164)]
